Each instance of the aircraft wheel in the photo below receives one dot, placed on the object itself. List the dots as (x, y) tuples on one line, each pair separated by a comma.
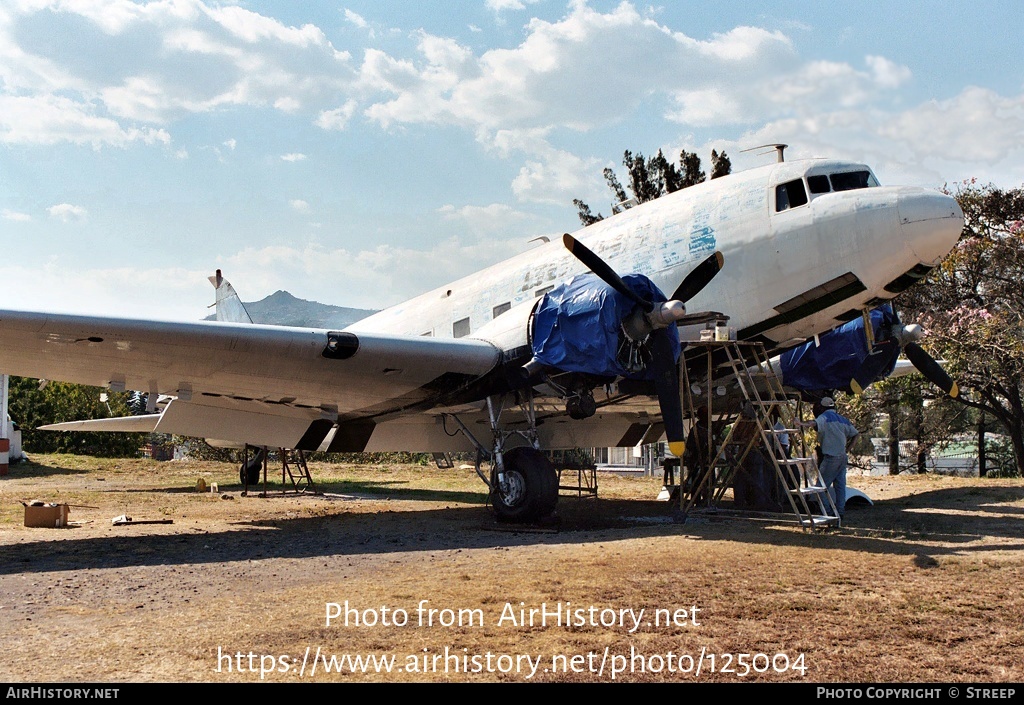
[(530, 490), (252, 470)]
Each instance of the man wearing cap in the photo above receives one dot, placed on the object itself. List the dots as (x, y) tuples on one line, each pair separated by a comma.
[(834, 434)]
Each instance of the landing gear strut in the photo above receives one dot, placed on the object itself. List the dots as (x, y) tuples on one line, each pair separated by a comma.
[(523, 482)]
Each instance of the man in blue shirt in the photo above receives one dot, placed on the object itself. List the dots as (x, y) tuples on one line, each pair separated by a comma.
[(834, 434)]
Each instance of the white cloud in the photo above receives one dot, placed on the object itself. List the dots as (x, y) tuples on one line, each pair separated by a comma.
[(287, 104), (356, 19), (293, 157), (558, 178), (887, 73), (550, 175), (338, 118), (15, 216), (487, 221), (52, 285), (230, 143), (375, 278), (592, 69), (174, 58), (501, 5), (804, 88), (299, 205), (253, 27), (977, 125), (53, 119), (67, 212), (976, 133)]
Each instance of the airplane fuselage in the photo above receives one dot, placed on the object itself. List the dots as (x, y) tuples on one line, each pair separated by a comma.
[(792, 269)]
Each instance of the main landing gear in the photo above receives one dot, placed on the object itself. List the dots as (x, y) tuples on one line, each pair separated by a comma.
[(526, 488), (523, 483), (249, 471)]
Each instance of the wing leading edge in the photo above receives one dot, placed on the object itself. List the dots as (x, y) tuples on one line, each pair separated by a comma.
[(248, 383)]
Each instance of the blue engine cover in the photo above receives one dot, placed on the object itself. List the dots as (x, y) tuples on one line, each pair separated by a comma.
[(576, 327), (833, 363)]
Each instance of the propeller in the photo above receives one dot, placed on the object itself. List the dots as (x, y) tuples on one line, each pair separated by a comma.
[(608, 275), (651, 322), (895, 338), (699, 278), (931, 369)]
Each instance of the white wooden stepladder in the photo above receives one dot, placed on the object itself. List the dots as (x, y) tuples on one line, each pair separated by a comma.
[(797, 476)]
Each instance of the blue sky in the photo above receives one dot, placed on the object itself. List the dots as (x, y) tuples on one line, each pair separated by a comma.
[(360, 153)]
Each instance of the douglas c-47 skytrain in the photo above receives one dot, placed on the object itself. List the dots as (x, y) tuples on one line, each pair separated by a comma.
[(507, 361)]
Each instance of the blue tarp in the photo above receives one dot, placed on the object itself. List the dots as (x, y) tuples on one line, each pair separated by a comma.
[(834, 362), (577, 326)]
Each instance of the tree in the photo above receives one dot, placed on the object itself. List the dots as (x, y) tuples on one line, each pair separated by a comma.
[(692, 173), (907, 408), (653, 178), (720, 164), (973, 307), (32, 406)]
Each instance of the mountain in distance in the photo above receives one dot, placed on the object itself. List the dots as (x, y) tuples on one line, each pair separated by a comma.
[(283, 309)]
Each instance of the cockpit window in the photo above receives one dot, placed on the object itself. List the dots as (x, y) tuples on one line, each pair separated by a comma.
[(818, 184), (852, 180), (790, 195)]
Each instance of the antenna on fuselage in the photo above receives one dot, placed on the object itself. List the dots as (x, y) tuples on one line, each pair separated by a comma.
[(624, 205), (780, 151)]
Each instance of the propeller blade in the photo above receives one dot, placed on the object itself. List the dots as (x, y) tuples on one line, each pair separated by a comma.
[(875, 365), (608, 275), (931, 369), (699, 277), (666, 383)]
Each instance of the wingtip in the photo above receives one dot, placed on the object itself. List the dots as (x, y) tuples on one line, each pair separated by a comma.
[(568, 240), (677, 448), (855, 387), (955, 391)]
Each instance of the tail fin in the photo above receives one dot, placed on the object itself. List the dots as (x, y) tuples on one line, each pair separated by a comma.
[(230, 308)]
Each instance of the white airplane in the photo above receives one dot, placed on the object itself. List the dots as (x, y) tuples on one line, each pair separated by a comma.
[(506, 361)]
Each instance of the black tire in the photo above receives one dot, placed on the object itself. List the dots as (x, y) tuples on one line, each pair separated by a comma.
[(251, 470), (531, 487)]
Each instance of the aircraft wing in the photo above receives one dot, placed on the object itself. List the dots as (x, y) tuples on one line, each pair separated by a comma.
[(264, 385)]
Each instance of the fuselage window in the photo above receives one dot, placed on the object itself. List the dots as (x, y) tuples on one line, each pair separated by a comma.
[(790, 195), (818, 184), (428, 334), (852, 180), (460, 328), (500, 309), (544, 290)]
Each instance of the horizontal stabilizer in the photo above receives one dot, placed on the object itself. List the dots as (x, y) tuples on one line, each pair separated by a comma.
[(131, 424)]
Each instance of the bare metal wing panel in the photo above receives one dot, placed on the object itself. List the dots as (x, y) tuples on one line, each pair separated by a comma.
[(208, 361)]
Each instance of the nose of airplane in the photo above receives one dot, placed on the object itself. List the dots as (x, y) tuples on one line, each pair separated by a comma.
[(931, 223)]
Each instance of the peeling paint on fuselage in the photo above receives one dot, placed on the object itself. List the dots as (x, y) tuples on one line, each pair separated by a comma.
[(769, 257)]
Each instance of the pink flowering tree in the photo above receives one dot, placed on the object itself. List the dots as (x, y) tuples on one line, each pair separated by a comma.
[(972, 307)]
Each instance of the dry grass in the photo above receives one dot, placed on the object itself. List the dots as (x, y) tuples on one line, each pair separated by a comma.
[(925, 586)]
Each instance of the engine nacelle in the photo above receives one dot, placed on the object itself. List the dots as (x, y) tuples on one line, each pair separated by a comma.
[(510, 330)]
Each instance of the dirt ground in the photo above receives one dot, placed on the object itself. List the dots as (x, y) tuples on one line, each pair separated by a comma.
[(424, 586)]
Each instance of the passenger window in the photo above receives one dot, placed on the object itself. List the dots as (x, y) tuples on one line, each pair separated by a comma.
[(790, 195), (460, 328), (541, 292), (818, 184), (500, 309)]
